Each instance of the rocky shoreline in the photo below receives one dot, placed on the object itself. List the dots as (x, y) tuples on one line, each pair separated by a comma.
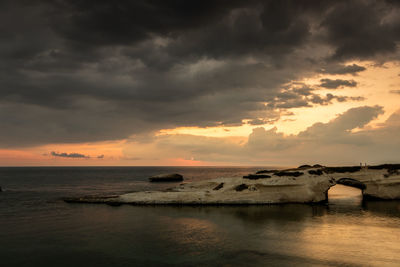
[(306, 184)]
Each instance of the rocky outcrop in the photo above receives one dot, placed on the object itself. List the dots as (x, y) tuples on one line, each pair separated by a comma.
[(288, 186), (256, 176), (174, 177)]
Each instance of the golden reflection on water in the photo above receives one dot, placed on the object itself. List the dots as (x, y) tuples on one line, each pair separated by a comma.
[(340, 237), (344, 192), (345, 232), (191, 231)]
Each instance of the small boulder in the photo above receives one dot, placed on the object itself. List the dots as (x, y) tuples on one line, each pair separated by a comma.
[(241, 187), (173, 177)]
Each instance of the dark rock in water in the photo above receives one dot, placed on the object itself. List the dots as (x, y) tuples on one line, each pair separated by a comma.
[(285, 173), (174, 177), (218, 187), (351, 182), (304, 166), (266, 171), (241, 187), (256, 176), (315, 172)]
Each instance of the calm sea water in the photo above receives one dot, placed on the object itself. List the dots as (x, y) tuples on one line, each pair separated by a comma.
[(38, 229)]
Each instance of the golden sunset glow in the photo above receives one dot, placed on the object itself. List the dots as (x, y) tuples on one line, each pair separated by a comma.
[(375, 84)]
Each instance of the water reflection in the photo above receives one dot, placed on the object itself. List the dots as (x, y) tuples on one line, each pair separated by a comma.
[(193, 232), (367, 229), (278, 213), (383, 208), (344, 231)]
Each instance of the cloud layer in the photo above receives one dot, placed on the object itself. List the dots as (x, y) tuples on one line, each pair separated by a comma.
[(84, 71)]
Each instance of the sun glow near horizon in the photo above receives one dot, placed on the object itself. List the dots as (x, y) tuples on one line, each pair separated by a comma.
[(376, 84)]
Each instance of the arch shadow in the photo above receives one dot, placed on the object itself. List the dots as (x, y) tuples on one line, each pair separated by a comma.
[(352, 183)]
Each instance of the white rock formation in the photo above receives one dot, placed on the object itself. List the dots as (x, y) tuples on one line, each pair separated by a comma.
[(280, 188)]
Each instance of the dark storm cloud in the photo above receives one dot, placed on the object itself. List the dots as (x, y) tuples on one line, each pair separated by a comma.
[(343, 69), (317, 99), (68, 155), (127, 22), (301, 95), (79, 71), (334, 84), (362, 29), (261, 121)]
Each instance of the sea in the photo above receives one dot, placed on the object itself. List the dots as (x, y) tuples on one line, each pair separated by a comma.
[(37, 228)]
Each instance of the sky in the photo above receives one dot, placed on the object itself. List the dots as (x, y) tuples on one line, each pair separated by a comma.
[(199, 83)]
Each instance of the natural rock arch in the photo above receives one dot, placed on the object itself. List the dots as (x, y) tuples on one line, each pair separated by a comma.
[(352, 182), (347, 182)]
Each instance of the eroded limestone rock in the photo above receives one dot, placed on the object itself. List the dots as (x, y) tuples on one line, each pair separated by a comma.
[(288, 186)]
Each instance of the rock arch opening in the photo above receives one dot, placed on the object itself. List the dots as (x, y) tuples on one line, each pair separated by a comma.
[(346, 191)]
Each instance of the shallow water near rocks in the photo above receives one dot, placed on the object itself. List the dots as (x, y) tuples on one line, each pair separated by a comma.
[(38, 229)]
